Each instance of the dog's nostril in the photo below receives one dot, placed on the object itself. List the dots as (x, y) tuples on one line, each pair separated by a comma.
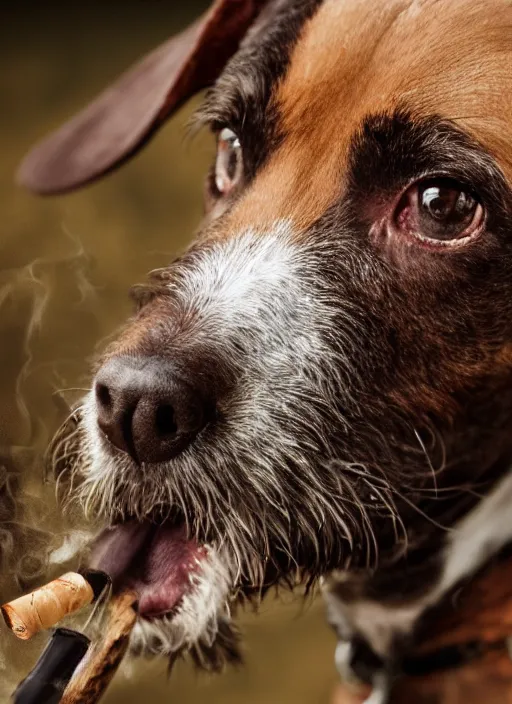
[(103, 395), (165, 421)]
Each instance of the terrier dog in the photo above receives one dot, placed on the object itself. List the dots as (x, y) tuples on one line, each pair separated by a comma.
[(320, 386)]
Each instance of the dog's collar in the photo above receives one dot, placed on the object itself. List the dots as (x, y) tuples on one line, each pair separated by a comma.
[(462, 648)]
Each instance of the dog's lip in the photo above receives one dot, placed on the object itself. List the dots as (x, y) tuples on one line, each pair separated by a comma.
[(157, 562)]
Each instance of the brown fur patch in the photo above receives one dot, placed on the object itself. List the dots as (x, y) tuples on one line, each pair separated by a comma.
[(356, 58)]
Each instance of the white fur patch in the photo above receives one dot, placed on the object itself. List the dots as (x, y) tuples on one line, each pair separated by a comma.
[(483, 532), (197, 616), (472, 542)]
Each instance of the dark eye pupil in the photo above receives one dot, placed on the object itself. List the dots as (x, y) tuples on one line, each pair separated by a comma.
[(232, 156), (445, 208)]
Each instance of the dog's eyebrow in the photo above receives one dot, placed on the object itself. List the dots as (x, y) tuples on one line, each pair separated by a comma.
[(242, 94), (389, 150), (229, 101)]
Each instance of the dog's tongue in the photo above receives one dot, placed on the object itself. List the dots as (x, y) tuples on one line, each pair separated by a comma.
[(157, 562)]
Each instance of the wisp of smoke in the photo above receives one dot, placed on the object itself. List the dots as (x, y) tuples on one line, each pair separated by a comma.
[(35, 540)]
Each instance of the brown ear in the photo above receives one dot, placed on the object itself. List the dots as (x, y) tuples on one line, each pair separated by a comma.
[(123, 117)]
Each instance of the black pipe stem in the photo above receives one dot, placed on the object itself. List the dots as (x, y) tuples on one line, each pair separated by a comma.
[(46, 683)]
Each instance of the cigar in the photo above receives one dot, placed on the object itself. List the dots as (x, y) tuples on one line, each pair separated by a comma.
[(97, 669), (46, 606)]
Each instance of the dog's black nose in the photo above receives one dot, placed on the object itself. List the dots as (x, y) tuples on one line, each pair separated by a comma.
[(146, 409)]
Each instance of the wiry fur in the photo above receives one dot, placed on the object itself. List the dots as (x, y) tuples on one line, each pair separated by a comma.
[(282, 323), (285, 484)]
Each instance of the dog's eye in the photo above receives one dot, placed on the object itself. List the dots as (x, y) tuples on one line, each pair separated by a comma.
[(440, 211), (228, 164)]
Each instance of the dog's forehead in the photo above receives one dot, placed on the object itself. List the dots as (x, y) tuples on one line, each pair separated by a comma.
[(357, 58)]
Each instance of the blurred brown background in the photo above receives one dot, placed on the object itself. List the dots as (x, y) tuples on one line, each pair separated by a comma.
[(65, 267)]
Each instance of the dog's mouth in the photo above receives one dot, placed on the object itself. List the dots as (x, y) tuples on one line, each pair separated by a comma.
[(158, 562)]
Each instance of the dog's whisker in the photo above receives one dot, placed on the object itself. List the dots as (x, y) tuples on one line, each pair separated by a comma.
[(84, 389), (427, 456)]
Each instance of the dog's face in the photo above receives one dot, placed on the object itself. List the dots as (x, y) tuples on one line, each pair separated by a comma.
[(322, 379)]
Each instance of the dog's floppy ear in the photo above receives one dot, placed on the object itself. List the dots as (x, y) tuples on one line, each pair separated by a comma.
[(122, 118)]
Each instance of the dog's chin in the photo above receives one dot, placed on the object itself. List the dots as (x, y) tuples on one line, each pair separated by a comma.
[(184, 590)]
